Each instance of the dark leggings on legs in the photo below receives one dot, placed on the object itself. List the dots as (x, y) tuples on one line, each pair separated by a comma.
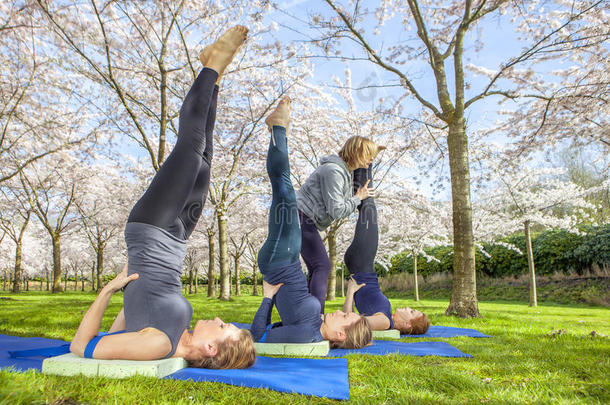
[(316, 259), (283, 242), (360, 255), (175, 198)]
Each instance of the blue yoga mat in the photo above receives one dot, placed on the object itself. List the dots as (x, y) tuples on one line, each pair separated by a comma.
[(447, 332), (382, 347), (315, 377), (15, 343)]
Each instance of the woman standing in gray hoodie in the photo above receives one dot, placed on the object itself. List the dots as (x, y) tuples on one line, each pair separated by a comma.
[(327, 196)]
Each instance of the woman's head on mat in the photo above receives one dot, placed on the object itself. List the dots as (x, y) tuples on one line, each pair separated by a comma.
[(410, 321), (359, 152), (215, 344), (346, 330)]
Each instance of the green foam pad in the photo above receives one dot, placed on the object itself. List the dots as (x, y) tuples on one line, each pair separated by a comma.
[(293, 349), (389, 333), (70, 364)]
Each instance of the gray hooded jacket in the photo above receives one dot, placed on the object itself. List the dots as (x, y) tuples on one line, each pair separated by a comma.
[(327, 194)]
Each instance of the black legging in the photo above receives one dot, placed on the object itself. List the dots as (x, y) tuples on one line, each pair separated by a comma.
[(175, 198), (360, 255)]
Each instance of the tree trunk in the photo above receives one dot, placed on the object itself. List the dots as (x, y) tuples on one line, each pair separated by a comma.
[(17, 275), (56, 263), (82, 281), (196, 278), (48, 279), (41, 282), (211, 248), (225, 275), (342, 280), (254, 279), (93, 277), (75, 279), (237, 280), (26, 281), (66, 282), (4, 281), (332, 255), (190, 289), (415, 255), (463, 300), (99, 265), (530, 263)]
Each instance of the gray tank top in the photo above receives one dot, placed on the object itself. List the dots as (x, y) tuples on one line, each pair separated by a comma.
[(155, 298)]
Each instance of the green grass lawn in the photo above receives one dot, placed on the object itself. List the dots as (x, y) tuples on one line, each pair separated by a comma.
[(522, 363)]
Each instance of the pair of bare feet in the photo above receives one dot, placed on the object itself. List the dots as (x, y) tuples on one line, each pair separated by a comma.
[(219, 55)]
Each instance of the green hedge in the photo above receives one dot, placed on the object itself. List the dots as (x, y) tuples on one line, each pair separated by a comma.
[(554, 251)]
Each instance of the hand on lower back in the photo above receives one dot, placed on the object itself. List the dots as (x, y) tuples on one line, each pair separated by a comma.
[(120, 280), (269, 290)]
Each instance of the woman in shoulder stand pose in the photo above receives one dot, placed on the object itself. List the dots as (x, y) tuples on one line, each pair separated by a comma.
[(363, 286), (284, 283), (156, 316)]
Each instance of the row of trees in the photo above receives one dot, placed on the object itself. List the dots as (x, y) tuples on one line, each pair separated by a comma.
[(91, 93)]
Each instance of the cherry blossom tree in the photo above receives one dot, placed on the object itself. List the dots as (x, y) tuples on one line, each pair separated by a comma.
[(77, 257), (445, 33), (103, 204), (211, 234), (14, 220), (141, 57), (543, 196), (50, 191), (248, 227), (411, 223), (33, 113), (194, 257), (7, 254)]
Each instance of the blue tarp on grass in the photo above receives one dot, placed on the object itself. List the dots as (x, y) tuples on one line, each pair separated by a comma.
[(447, 332), (13, 343), (383, 347), (317, 377)]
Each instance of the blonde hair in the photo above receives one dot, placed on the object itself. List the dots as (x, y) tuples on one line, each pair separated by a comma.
[(418, 326), (358, 150), (357, 335), (231, 353)]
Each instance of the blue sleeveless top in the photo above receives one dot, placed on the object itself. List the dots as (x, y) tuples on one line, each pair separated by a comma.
[(90, 348), (369, 299)]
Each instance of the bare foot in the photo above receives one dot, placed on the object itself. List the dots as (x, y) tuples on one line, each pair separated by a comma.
[(281, 115), (218, 55)]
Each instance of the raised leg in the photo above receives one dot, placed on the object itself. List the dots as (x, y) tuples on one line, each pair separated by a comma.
[(165, 198), (196, 200), (360, 255), (174, 199), (283, 242)]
